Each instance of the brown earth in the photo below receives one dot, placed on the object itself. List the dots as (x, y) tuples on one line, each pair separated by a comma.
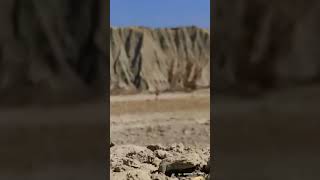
[(172, 118)]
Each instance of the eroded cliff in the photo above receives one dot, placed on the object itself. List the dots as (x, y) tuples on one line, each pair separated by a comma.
[(144, 59), (261, 45), (52, 51)]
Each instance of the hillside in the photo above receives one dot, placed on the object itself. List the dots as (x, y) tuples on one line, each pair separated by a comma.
[(50, 52), (266, 44), (144, 59)]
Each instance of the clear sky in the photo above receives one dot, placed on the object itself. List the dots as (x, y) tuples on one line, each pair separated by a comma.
[(160, 13)]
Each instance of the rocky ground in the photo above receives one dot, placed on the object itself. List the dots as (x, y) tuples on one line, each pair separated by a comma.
[(172, 118), (156, 138), (156, 162)]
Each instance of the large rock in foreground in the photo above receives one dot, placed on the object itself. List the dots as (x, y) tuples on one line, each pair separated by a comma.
[(156, 162), (146, 59)]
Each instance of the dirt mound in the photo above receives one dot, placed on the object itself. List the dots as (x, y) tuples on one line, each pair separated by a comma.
[(52, 50), (157, 162), (266, 44), (152, 60)]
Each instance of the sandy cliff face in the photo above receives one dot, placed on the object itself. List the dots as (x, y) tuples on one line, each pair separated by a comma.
[(145, 59), (266, 44), (52, 50)]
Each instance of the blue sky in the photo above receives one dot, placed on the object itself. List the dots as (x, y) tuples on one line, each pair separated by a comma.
[(160, 13)]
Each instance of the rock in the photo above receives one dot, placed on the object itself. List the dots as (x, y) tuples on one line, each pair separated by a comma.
[(161, 154), (131, 175), (131, 163), (206, 168), (128, 160), (138, 175), (208, 177), (177, 147), (156, 162), (112, 144), (198, 178), (117, 169), (155, 147), (158, 176), (155, 60), (177, 166), (181, 163), (130, 157)]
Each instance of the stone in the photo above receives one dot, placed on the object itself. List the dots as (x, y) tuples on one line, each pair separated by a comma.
[(161, 154)]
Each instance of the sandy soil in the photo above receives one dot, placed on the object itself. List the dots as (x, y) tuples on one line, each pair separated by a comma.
[(172, 118), (175, 120)]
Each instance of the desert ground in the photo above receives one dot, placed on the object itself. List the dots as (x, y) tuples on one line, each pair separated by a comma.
[(172, 127), (171, 118)]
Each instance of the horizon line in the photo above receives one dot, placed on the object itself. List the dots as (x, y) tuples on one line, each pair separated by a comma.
[(164, 26)]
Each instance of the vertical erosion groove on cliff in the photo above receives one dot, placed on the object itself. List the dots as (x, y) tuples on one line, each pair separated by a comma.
[(52, 50), (263, 45), (144, 59)]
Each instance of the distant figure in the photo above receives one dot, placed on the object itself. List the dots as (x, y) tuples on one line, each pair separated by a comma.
[(157, 93)]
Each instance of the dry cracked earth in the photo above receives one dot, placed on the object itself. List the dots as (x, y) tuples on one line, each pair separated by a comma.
[(167, 137)]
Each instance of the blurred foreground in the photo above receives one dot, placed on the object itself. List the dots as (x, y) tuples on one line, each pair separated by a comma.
[(66, 143)]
